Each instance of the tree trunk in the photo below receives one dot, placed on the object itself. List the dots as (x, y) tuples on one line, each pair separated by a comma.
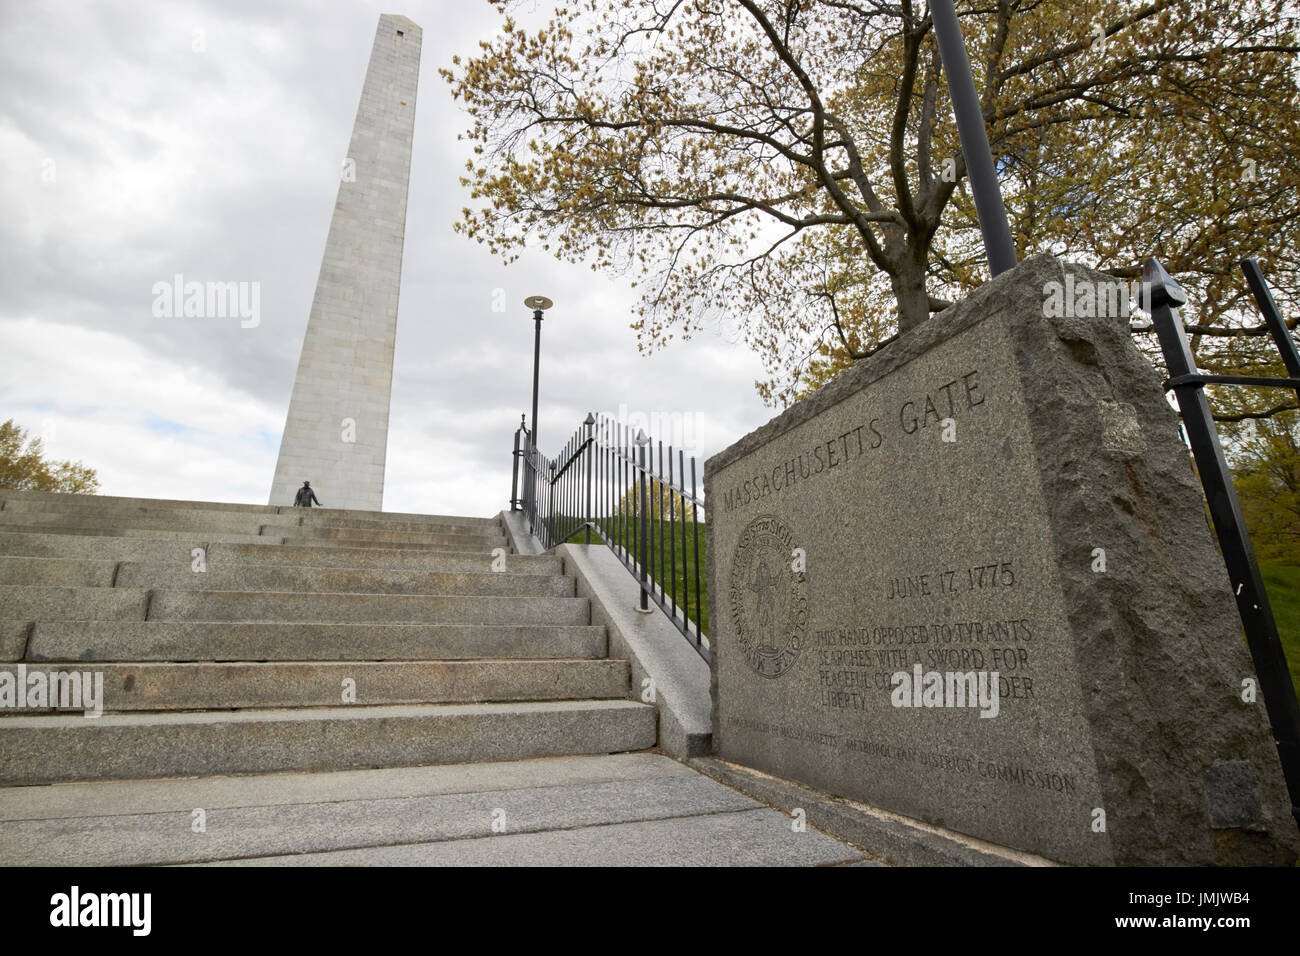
[(909, 292)]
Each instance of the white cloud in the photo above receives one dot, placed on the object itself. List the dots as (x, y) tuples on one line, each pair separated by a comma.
[(223, 166), (148, 427)]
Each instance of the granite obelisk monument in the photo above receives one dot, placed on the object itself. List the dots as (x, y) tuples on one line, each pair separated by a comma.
[(336, 432)]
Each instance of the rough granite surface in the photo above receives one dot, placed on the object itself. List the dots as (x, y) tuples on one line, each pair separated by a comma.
[(1066, 445)]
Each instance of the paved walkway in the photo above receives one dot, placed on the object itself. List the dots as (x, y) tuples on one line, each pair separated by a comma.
[(638, 809)]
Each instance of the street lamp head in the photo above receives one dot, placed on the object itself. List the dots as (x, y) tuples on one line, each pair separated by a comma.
[(539, 304)]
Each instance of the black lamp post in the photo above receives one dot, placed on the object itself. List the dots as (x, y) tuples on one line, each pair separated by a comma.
[(539, 304), (989, 207)]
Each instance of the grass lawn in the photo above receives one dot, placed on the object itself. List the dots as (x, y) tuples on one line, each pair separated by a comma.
[(660, 531), (1283, 586)]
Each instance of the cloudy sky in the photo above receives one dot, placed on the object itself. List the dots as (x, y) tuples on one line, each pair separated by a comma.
[(140, 140)]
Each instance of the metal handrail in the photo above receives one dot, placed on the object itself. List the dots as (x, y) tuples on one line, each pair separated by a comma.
[(604, 468), (1188, 385)]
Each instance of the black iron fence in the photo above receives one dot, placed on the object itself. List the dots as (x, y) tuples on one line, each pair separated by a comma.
[(633, 495), (1163, 296)]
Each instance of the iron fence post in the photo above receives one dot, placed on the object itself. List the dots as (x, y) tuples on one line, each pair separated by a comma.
[(590, 424), (695, 533), (1164, 296), (550, 508), (643, 535), (1273, 318), (514, 470), (530, 483)]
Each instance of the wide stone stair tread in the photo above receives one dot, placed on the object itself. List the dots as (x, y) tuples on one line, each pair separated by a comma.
[(237, 685), (298, 539), (622, 809), (44, 501), (36, 603), (311, 639), (253, 534), (220, 576), (435, 547), (156, 534), (260, 552), (758, 837), (235, 521), (62, 747), (302, 641)]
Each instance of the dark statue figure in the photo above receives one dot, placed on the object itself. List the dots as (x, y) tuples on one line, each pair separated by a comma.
[(305, 497)]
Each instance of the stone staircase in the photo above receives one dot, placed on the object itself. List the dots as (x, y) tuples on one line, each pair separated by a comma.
[(237, 639)]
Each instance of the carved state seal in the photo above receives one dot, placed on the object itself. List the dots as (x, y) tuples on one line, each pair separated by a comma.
[(769, 600)]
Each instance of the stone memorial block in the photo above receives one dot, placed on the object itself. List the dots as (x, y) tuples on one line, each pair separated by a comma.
[(971, 581)]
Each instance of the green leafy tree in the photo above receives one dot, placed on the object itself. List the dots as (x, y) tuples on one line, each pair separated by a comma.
[(23, 466), (1266, 468), (792, 166), (662, 503)]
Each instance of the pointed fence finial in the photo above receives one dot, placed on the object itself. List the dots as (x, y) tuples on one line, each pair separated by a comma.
[(1159, 287)]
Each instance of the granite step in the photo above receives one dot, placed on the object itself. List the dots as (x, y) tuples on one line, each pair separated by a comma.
[(341, 580), (171, 686), (64, 747), (248, 641), (310, 518), (310, 541), (311, 641), (636, 809), (47, 501), (249, 526), (462, 542), (57, 572), (153, 534), (33, 603), (743, 838), (68, 572), (38, 513), (53, 501), (137, 823), (260, 552), (382, 558)]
